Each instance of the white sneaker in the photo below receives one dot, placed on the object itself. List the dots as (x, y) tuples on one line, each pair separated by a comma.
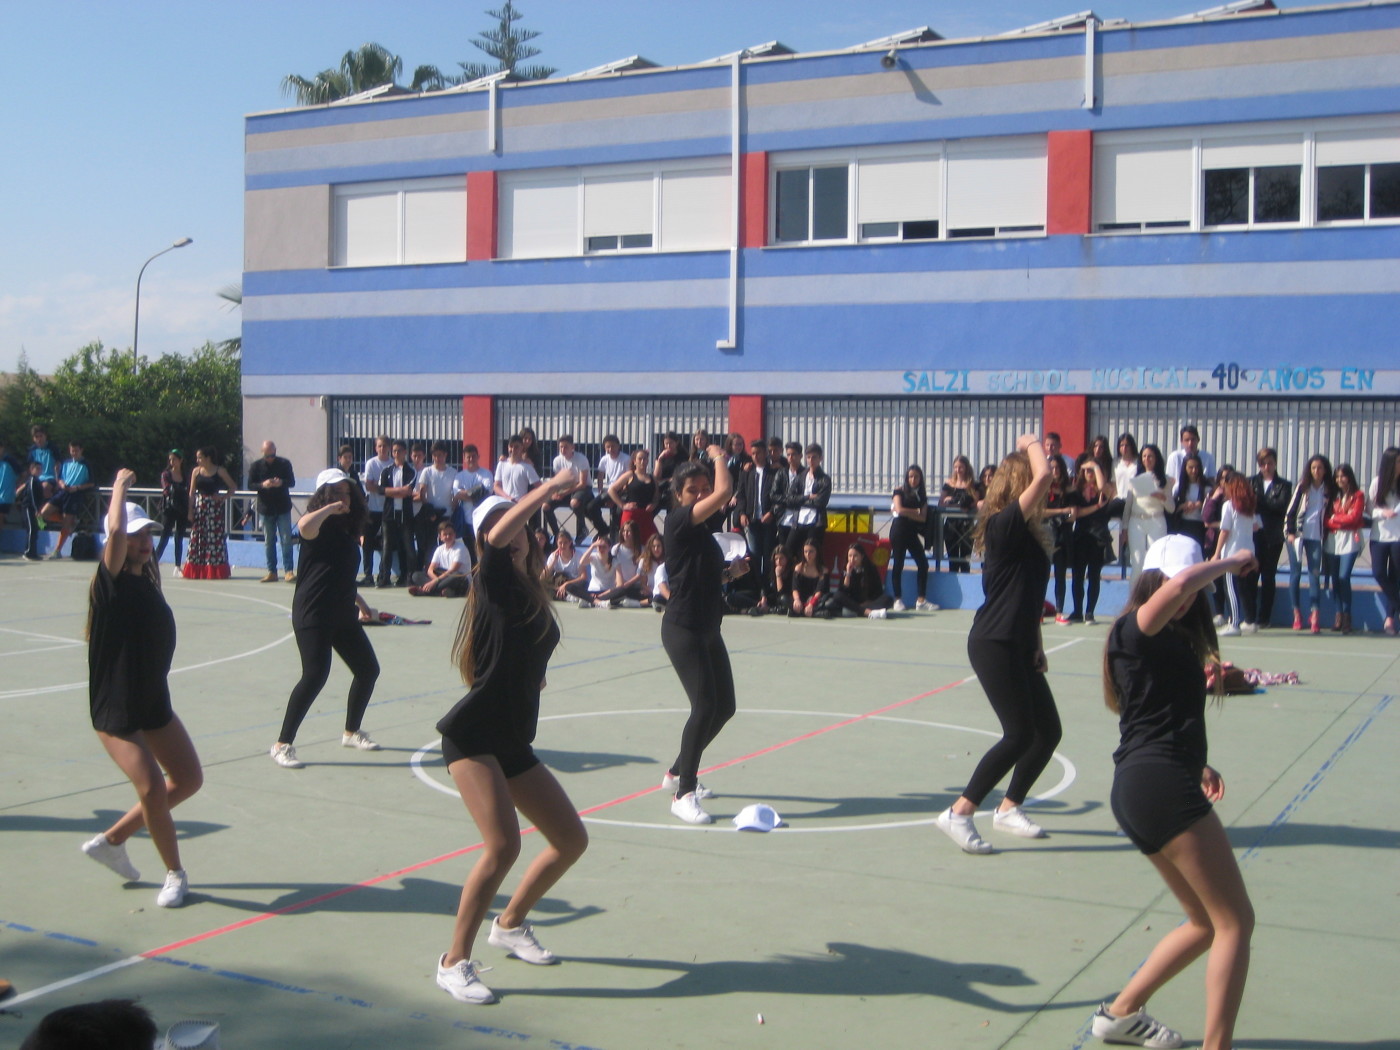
[(1219, 621), (898, 606), (1249, 628), (1230, 631), (172, 894), (670, 783), (877, 614), (687, 808), (463, 981), (286, 756), (520, 942), (359, 740), (109, 856), (1139, 1029), (924, 605), (1015, 822), (962, 831), (630, 603)]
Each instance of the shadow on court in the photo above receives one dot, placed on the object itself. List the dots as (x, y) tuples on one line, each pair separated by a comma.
[(86, 827)]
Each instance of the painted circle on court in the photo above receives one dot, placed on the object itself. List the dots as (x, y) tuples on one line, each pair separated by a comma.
[(1067, 777)]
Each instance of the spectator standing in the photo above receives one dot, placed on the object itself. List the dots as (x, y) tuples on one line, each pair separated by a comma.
[(515, 475), (1092, 544), (755, 508), (9, 481), (1343, 543), (1060, 502), (175, 506), (1305, 526), (1052, 444), (959, 498), (434, 494), (41, 452), (1384, 506), (374, 499), (472, 485), (421, 547), (30, 496), (1146, 503), (210, 489), (786, 475), (1191, 490), (612, 464), (396, 483), (271, 477), (1190, 445), (1272, 495), (670, 457), (1238, 525), (636, 496), (809, 497), (74, 486), (909, 506)]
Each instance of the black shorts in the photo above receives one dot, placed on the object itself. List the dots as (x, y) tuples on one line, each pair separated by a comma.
[(1154, 802), (515, 758)]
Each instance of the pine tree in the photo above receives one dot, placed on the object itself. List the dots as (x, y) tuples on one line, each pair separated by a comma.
[(508, 45)]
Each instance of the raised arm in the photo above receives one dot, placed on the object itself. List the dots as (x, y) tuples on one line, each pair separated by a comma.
[(513, 520), (1162, 607), (1036, 491), (706, 508), (114, 551)]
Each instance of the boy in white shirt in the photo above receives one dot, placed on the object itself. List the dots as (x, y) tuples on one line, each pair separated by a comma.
[(580, 500), (449, 570), (515, 475), (612, 464)]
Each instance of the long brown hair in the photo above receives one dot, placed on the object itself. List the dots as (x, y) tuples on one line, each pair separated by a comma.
[(474, 627), (1012, 478), (1196, 627)]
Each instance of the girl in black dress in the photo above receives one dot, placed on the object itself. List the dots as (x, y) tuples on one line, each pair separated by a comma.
[(1163, 789), (325, 613), (131, 635), (909, 508), (504, 641), (1005, 648), (690, 628)]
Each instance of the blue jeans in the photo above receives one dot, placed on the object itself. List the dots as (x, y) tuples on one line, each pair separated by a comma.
[(1341, 566), (272, 525), (1312, 552)]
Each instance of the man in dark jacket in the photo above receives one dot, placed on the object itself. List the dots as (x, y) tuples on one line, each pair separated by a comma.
[(272, 479), (1272, 494), (808, 497)]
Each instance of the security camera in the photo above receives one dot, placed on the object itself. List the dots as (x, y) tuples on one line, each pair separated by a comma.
[(890, 58)]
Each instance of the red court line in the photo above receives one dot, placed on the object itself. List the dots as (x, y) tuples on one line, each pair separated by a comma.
[(351, 888)]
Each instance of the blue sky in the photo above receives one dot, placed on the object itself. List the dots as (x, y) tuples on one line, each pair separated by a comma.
[(123, 125)]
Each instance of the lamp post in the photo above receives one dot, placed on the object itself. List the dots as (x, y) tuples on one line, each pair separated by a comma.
[(136, 328)]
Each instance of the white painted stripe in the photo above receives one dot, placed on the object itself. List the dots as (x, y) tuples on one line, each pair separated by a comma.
[(68, 982)]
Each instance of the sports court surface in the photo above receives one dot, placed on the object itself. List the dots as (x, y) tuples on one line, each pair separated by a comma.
[(321, 898)]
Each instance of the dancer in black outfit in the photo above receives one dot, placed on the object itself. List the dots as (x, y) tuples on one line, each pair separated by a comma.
[(1005, 647), (690, 628), (131, 636), (1163, 790), (504, 641), (325, 613)]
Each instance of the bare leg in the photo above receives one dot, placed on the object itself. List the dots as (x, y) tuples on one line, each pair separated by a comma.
[(141, 756), (483, 788), (1199, 867), (538, 795)]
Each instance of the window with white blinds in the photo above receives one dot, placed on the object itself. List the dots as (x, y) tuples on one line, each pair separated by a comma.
[(1142, 186), (539, 217), (397, 223), (996, 189), (618, 212), (695, 210), (899, 197)]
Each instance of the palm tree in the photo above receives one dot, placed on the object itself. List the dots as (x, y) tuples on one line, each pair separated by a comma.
[(508, 46), (369, 66)]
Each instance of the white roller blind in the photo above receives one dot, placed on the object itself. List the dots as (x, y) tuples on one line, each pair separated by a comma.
[(615, 205), (996, 187), (1342, 147), (695, 210), (539, 218), (435, 225), (902, 190), (1142, 183), (366, 229), (1251, 152)]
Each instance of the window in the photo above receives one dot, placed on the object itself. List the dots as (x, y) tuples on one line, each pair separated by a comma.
[(812, 204), (400, 223), (696, 210), (899, 198), (1358, 177), (996, 189), (1142, 186), (618, 213), (1246, 182)]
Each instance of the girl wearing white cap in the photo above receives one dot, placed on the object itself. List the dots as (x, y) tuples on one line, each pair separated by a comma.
[(504, 641), (131, 636), (325, 612), (1163, 789)]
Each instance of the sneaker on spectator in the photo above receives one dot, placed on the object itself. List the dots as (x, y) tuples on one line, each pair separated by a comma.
[(962, 831), (1139, 1029), (1249, 628), (54, 554), (687, 808), (670, 782), (1015, 822), (463, 981), (630, 603), (110, 856), (179, 572), (520, 942), (1062, 619), (898, 606), (1230, 631), (1219, 621), (286, 756), (416, 591), (359, 740), (1089, 621), (924, 605), (172, 894), (877, 614)]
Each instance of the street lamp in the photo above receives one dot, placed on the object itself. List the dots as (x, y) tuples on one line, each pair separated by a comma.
[(136, 328)]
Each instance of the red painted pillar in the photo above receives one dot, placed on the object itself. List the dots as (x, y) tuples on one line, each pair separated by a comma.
[(479, 427), (746, 416), (1069, 191), (1068, 416), (753, 200), (482, 215)]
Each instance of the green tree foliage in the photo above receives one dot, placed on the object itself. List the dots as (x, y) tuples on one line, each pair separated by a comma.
[(368, 66), (508, 45), (131, 420)]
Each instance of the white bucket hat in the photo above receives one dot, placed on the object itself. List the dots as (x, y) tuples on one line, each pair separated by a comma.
[(758, 817)]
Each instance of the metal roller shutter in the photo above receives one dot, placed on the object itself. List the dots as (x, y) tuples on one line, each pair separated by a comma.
[(356, 421), (638, 422)]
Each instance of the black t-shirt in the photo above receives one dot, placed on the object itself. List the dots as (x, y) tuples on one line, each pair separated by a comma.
[(694, 569), (325, 594), (1161, 690), (512, 654), (129, 653), (1015, 569)]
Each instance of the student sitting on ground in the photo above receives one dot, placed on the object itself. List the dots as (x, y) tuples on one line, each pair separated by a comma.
[(777, 584), (810, 593), (653, 562), (448, 573), (563, 567), (860, 590), (630, 588), (602, 574)]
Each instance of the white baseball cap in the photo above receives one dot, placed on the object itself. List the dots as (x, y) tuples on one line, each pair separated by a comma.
[(331, 476), (136, 519), (758, 817), (1171, 554), (486, 508)]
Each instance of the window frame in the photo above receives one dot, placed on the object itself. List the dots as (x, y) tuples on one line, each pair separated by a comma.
[(400, 189)]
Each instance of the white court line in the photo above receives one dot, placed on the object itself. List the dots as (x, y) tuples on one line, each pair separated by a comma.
[(24, 997), (36, 634), (45, 649)]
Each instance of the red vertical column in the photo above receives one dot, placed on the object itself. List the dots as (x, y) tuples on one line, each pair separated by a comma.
[(479, 426), (753, 200), (746, 415), (482, 215), (1069, 189), (1068, 416)]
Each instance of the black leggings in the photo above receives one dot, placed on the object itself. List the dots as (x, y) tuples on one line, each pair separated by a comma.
[(907, 535), (1086, 558), (1030, 724), (702, 664), (315, 645)]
